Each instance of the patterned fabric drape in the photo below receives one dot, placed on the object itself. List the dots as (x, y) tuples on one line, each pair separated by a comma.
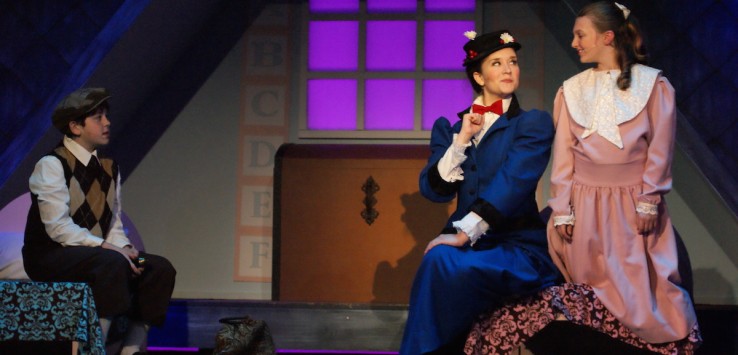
[(504, 330), (50, 311)]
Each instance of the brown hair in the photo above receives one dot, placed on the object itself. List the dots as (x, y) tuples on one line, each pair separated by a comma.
[(472, 68), (104, 107), (606, 16)]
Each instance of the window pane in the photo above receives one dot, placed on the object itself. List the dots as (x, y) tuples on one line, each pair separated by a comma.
[(334, 6), (389, 104), (390, 45), (333, 45), (449, 6), (391, 5), (331, 104), (444, 42), (445, 98)]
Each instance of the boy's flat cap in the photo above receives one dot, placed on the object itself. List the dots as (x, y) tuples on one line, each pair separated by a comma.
[(77, 104)]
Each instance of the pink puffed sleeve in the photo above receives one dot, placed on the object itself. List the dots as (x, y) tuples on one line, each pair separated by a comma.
[(563, 159), (661, 111)]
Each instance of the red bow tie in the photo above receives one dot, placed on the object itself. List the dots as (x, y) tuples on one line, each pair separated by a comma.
[(495, 108)]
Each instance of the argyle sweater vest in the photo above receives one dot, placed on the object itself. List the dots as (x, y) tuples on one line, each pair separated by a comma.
[(92, 191)]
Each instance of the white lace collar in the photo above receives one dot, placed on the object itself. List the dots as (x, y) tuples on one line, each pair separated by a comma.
[(596, 103)]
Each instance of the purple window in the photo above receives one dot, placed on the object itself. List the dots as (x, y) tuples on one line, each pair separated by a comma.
[(443, 43), (449, 5), (331, 104), (390, 74), (333, 45), (334, 6), (389, 6), (445, 98), (390, 45), (389, 104)]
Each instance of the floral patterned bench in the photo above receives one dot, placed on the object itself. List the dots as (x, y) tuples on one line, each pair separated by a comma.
[(50, 311), (506, 329)]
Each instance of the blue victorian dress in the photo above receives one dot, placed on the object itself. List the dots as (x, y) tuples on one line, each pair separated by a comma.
[(455, 284)]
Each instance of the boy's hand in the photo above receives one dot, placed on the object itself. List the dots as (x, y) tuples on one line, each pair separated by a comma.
[(127, 253), (132, 251)]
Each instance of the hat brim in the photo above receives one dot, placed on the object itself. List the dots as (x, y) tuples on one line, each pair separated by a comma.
[(99, 102)]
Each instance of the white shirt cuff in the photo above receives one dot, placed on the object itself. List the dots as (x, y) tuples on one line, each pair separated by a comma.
[(473, 225), (449, 167)]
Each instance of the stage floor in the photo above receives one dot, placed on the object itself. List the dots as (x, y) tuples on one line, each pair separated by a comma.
[(309, 327), (358, 329)]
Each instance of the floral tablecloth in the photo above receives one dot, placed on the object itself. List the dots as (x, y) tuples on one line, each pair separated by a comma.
[(50, 311), (504, 330)]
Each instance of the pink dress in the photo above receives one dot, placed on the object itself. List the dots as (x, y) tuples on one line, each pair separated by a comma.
[(612, 150)]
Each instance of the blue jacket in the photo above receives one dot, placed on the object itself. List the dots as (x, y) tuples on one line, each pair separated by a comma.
[(500, 174)]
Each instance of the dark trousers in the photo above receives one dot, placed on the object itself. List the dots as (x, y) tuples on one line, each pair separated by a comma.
[(116, 289)]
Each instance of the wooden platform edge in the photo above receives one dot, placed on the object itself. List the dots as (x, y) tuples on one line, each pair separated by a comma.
[(304, 326)]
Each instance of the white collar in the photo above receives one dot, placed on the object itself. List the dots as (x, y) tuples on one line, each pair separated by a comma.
[(79, 151), (596, 103)]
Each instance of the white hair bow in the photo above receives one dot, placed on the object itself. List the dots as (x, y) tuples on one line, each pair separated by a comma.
[(625, 10)]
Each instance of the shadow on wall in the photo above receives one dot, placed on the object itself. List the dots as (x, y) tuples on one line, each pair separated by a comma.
[(424, 219)]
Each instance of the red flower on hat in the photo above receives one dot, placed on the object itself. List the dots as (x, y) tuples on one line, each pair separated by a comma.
[(472, 54)]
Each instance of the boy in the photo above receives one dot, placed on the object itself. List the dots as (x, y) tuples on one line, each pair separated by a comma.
[(74, 231)]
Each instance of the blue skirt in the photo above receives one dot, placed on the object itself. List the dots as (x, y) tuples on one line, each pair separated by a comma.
[(454, 285)]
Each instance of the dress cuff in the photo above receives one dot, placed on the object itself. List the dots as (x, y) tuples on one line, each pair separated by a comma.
[(567, 219), (473, 225), (647, 208)]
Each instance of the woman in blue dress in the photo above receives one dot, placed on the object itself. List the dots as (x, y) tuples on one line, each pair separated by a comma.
[(493, 247)]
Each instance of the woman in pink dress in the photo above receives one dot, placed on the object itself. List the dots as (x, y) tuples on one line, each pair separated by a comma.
[(610, 228)]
